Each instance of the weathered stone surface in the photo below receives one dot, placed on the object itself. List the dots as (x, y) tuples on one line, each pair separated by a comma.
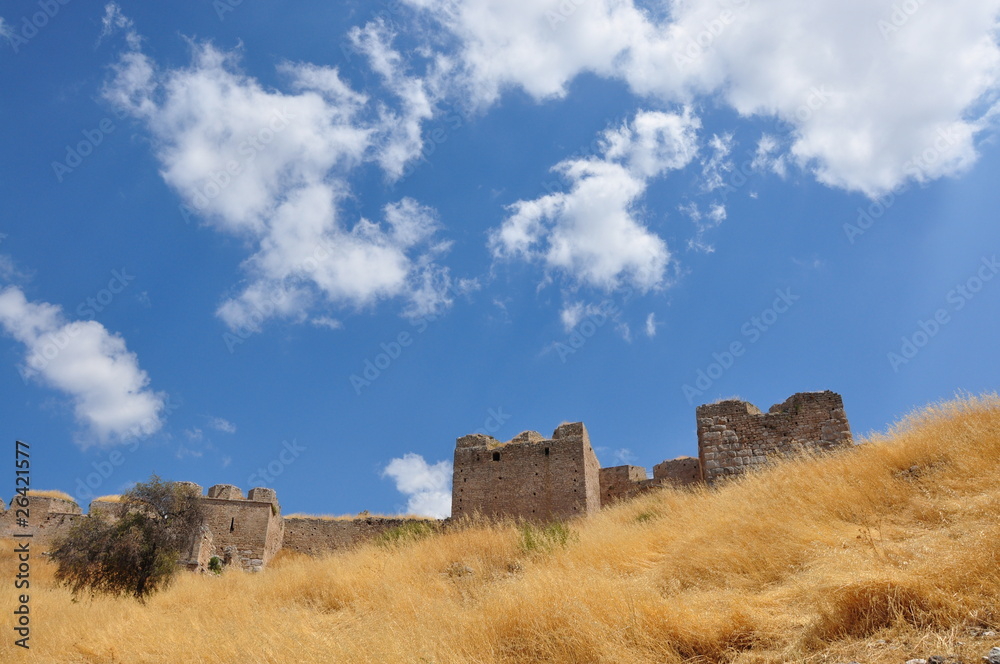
[(734, 437), (527, 477), (993, 656)]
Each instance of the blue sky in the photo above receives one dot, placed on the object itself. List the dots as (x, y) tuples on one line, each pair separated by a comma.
[(308, 246)]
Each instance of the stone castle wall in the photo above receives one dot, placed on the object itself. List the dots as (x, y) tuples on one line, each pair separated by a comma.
[(735, 437), (529, 477), (47, 518), (316, 535), (245, 532)]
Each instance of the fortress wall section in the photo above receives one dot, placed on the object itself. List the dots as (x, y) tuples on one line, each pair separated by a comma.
[(47, 519), (680, 472), (735, 437), (529, 477), (241, 530), (618, 482), (316, 536)]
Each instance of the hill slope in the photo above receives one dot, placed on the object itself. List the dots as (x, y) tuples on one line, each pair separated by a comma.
[(884, 552)]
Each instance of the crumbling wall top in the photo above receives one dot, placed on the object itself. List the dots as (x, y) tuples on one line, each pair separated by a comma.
[(262, 495), (528, 437), (807, 400), (225, 492), (727, 407), (476, 440), (197, 487), (571, 430)]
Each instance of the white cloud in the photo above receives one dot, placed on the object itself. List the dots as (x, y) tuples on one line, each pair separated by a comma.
[(327, 322), (270, 167), (651, 325), (427, 487), (591, 233), (401, 140), (221, 424), (867, 107), (574, 312), (516, 42), (703, 223), (624, 456), (110, 393), (769, 156), (718, 165), (113, 21)]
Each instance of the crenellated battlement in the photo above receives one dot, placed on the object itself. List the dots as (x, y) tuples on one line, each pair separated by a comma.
[(514, 479), (527, 477), (735, 437)]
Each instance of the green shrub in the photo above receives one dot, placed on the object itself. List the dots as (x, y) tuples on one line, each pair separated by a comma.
[(648, 515), (215, 565), (407, 532), (546, 537)]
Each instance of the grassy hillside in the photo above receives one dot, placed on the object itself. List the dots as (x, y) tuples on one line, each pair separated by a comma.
[(877, 554)]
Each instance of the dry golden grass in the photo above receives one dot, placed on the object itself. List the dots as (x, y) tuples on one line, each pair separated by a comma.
[(877, 554), (110, 498), (51, 494)]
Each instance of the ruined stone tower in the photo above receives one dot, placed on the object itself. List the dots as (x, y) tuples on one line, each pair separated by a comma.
[(735, 436), (246, 532), (528, 477)]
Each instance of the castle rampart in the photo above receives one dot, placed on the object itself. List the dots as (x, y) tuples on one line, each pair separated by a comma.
[(529, 476), (318, 535), (47, 517), (735, 436)]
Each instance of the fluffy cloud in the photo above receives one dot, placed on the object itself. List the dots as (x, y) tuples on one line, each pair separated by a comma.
[(591, 232), (874, 92), (651, 325), (270, 167), (427, 487), (110, 393), (703, 223), (221, 424), (400, 132)]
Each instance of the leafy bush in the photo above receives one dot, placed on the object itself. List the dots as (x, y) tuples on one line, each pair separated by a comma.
[(134, 548)]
